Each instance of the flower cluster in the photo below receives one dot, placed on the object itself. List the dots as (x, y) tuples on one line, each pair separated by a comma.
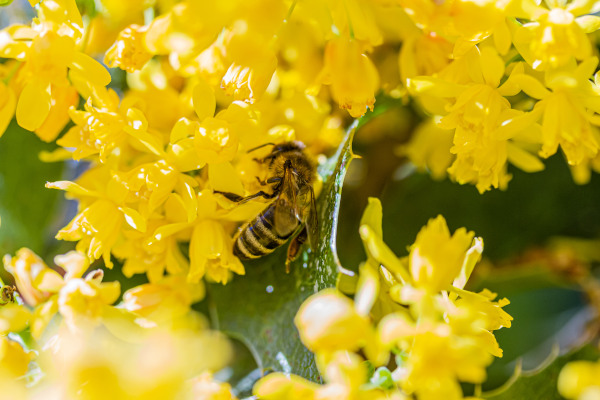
[(406, 313), (208, 82), (202, 91), (86, 346)]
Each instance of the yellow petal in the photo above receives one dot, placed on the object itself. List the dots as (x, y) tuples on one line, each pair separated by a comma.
[(492, 66), (134, 219), (224, 178), (110, 291), (531, 86), (502, 39), (373, 215), (13, 318), (471, 258), (204, 100), (7, 110), (519, 123), (434, 87), (171, 229), (34, 105), (183, 129), (523, 159), (70, 187), (377, 249), (589, 23), (48, 280), (368, 288), (91, 69), (74, 263)]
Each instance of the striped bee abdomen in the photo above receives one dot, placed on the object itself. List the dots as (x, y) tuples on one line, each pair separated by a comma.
[(259, 237)]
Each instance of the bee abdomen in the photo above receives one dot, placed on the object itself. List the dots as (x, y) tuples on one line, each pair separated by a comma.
[(258, 237)]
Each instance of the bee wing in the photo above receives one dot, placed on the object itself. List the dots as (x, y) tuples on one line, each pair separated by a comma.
[(287, 212), (312, 221)]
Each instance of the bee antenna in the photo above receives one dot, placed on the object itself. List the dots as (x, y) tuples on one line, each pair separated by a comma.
[(260, 147)]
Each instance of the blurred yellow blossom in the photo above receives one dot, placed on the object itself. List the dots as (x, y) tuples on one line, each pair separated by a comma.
[(13, 358), (165, 300), (328, 322), (128, 52), (578, 380), (25, 268), (429, 149), (557, 34)]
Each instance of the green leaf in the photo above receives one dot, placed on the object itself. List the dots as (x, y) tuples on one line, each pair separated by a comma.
[(5, 2), (27, 208), (258, 309), (540, 384)]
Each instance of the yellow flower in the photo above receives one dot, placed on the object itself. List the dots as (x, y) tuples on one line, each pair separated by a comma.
[(128, 52), (436, 257), (48, 51), (143, 253), (25, 268), (206, 388), (216, 141), (13, 318), (251, 67), (488, 132), (82, 302), (13, 358), (433, 377), (328, 322), (108, 129), (96, 228), (433, 315), (155, 365), (62, 100), (466, 22), (353, 77), (102, 214), (567, 111), (155, 91), (556, 34), (579, 380), (163, 301), (188, 27), (423, 54), (277, 386)]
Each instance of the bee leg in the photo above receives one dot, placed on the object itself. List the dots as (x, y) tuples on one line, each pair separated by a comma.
[(273, 179), (231, 196), (241, 200), (294, 248)]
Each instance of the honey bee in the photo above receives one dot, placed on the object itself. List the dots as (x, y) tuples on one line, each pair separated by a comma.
[(291, 214)]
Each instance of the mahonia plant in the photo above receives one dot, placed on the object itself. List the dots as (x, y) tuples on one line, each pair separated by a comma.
[(204, 82)]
